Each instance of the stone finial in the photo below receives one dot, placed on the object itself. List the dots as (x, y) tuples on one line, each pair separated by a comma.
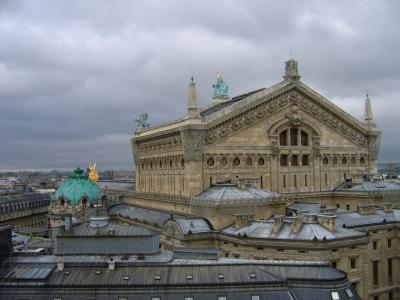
[(192, 101), (368, 117), (291, 70)]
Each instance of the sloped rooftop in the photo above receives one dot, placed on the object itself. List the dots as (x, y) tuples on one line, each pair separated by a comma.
[(350, 219), (111, 229), (228, 193), (308, 231), (369, 186)]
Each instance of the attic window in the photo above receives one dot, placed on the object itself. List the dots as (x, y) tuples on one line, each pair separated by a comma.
[(67, 272), (189, 277), (349, 293), (157, 277), (335, 295), (98, 272), (220, 276), (252, 275), (125, 277)]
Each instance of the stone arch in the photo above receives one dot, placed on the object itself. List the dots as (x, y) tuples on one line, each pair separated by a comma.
[(309, 127)]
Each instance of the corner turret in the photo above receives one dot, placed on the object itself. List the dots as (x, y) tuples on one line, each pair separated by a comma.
[(368, 117), (193, 111)]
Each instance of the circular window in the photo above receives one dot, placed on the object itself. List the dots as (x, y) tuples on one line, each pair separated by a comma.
[(362, 161), (335, 161), (236, 161), (223, 161), (260, 161), (249, 161), (325, 161), (344, 160), (210, 162)]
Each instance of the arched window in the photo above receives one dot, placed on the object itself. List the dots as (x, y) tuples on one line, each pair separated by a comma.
[(293, 137), (283, 138), (304, 138)]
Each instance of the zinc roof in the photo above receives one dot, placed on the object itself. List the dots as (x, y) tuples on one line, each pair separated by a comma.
[(223, 194)]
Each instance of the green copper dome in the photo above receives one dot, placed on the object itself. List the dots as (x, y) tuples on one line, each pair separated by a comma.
[(78, 186)]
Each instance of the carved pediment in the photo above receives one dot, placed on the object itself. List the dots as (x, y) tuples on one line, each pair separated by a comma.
[(299, 103)]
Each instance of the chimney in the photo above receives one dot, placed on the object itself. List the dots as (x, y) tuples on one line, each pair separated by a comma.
[(277, 224), (327, 221), (242, 220), (366, 209), (111, 264), (297, 223), (67, 222), (387, 207), (60, 266)]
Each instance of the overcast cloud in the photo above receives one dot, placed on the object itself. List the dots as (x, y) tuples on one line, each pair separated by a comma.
[(74, 75)]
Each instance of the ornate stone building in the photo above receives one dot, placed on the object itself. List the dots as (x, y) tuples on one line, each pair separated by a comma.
[(288, 137)]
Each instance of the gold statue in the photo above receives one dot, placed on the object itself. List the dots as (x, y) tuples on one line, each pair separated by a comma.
[(92, 172)]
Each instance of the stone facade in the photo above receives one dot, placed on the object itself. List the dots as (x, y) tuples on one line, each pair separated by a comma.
[(287, 136)]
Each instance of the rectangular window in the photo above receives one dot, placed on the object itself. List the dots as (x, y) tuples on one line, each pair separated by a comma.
[(374, 245), (284, 160), (347, 207), (390, 269), (305, 180), (284, 181), (335, 295), (334, 264), (295, 160), (376, 297), (326, 179), (375, 265), (293, 137), (349, 293), (282, 138), (389, 243), (390, 296), (353, 263), (304, 160), (304, 139)]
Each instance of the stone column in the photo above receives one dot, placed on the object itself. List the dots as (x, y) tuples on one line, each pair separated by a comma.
[(193, 139)]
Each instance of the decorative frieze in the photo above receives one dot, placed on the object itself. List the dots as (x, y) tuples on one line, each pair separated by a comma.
[(296, 101)]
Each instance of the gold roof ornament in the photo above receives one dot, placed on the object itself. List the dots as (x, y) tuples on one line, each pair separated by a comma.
[(92, 173)]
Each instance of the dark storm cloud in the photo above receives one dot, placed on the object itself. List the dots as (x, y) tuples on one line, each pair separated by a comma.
[(75, 74)]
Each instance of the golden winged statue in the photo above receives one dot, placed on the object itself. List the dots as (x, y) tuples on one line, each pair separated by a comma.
[(92, 173)]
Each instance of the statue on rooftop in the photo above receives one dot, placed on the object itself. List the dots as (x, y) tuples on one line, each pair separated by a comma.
[(92, 173), (220, 87), (141, 121)]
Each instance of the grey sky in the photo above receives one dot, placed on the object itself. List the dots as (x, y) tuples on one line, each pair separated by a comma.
[(75, 74)]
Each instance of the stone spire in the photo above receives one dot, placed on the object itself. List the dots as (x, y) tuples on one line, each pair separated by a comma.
[(291, 70), (193, 111), (368, 117)]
